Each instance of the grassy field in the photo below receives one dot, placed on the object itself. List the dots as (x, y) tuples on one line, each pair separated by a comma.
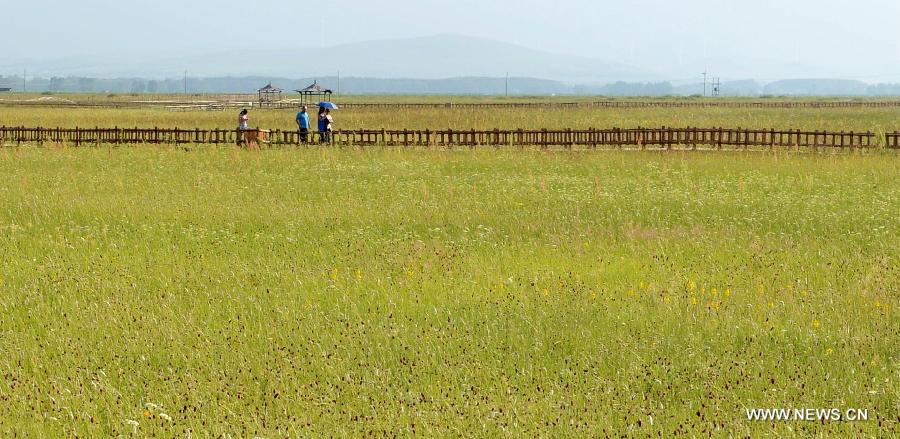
[(847, 119), (318, 292), (874, 120)]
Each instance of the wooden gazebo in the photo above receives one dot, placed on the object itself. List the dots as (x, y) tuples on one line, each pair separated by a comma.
[(313, 94), (269, 95)]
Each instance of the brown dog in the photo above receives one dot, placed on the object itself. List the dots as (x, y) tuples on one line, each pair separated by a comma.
[(252, 137)]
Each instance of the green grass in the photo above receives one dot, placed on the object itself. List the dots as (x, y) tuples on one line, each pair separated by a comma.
[(319, 292), (836, 119)]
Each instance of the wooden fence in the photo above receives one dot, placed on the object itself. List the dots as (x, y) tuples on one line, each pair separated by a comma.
[(663, 137), (632, 104), (892, 140), (206, 105)]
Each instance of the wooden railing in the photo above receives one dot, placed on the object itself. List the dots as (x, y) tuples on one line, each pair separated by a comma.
[(892, 140), (206, 104), (663, 137), (634, 104)]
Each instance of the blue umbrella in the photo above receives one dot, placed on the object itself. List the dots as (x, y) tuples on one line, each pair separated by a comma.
[(329, 105)]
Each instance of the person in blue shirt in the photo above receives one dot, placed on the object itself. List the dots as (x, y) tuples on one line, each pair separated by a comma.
[(303, 123), (323, 125)]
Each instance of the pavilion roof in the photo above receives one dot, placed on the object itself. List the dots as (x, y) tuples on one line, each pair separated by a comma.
[(315, 87)]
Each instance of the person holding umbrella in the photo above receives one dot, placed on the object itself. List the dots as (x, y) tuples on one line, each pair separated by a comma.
[(326, 121), (323, 124)]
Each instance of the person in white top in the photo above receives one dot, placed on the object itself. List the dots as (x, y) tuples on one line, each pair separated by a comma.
[(329, 125), (243, 125)]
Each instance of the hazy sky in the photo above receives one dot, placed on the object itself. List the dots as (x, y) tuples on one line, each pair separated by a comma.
[(765, 39)]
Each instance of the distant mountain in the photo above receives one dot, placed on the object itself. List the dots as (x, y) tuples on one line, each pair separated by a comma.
[(816, 87), (439, 56)]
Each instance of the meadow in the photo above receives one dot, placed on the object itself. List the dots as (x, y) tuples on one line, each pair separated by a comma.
[(206, 291), (877, 120)]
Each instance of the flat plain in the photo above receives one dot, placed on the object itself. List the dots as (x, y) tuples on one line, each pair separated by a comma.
[(304, 292)]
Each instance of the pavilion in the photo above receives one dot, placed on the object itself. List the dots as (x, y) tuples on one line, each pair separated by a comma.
[(314, 94), (269, 95)]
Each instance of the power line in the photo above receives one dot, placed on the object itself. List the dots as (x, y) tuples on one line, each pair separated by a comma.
[(704, 83)]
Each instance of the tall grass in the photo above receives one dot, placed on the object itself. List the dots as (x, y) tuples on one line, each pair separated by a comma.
[(847, 119), (156, 292)]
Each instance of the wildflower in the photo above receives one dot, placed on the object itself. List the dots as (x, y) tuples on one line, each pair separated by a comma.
[(546, 292), (165, 416), (816, 323), (714, 291), (771, 304), (727, 292), (147, 413), (691, 286), (642, 285), (877, 304), (630, 293), (829, 351), (593, 296), (693, 300), (358, 274)]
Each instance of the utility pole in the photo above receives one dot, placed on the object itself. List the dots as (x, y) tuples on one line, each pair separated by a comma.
[(185, 82), (339, 83), (507, 84), (24, 75), (704, 83)]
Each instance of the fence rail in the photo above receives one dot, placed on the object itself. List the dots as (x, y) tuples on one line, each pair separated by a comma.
[(205, 105), (892, 140), (633, 104), (663, 137)]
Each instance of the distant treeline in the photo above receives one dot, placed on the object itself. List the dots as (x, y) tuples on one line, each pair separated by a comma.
[(459, 86)]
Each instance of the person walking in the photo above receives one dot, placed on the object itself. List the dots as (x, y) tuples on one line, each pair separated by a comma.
[(243, 125), (303, 123), (323, 125), (329, 125)]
